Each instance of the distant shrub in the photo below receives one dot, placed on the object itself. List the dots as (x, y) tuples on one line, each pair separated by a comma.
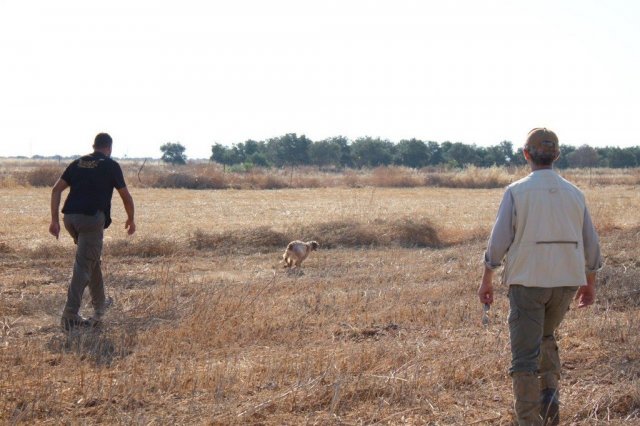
[(43, 176), (602, 176), (176, 180), (351, 179), (188, 181), (9, 182), (311, 182), (394, 177), (213, 181), (257, 180), (473, 178), (240, 168)]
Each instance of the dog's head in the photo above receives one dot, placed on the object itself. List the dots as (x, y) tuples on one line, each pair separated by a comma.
[(314, 245)]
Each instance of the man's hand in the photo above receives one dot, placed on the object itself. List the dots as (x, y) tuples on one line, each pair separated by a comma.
[(54, 229), (485, 291), (130, 226), (127, 201), (586, 294), (56, 194)]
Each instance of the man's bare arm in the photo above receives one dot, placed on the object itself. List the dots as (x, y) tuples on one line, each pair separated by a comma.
[(56, 195), (127, 201)]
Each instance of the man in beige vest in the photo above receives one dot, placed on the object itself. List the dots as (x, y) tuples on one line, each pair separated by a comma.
[(551, 252)]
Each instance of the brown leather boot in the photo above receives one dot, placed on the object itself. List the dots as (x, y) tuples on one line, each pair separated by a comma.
[(526, 392), (550, 407)]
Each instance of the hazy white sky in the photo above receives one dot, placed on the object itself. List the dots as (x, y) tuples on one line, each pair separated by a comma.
[(200, 72)]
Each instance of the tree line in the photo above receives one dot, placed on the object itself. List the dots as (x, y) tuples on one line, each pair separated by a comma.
[(340, 152)]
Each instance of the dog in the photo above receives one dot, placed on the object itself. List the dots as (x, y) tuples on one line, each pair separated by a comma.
[(297, 251)]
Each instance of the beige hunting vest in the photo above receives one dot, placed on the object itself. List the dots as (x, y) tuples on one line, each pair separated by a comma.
[(548, 249)]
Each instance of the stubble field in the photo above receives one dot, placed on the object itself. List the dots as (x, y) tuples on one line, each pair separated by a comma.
[(380, 326)]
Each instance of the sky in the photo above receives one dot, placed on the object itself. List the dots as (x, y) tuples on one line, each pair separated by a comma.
[(204, 72)]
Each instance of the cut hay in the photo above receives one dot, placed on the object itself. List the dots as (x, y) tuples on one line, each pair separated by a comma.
[(249, 240), (336, 234), (141, 247), (403, 232)]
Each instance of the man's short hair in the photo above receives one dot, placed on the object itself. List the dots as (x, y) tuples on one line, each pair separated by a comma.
[(103, 140), (543, 146)]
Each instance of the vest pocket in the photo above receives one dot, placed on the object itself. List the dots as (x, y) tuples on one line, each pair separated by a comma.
[(546, 263), (558, 242)]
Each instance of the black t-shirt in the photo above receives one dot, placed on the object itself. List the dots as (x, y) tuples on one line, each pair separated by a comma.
[(91, 179)]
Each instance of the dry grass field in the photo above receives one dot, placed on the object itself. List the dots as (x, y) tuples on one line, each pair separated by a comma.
[(380, 326)]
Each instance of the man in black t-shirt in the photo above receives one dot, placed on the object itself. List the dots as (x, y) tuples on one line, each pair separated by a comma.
[(87, 213)]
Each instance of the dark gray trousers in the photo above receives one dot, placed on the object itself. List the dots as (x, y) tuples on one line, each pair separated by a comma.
[(535, 314), (87, 232)]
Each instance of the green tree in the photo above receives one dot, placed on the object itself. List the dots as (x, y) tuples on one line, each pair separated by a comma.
[(289, 149), (370, 152), (462, 154), (223, 155), (257, 159), (173, 153), (434, 151), (498, 155), (635, 151), (621, 157), (506, 149), (412, 153), (324, 153), (345, 150), (583, 156), (565, 153), (248, 149)]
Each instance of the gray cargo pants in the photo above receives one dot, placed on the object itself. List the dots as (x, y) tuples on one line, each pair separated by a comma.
[(535, 314), (87, 233)]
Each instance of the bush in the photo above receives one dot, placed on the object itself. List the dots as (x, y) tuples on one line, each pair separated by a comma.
[(394, 177), (474, 178), (45, 176), (187, 181), (265, 181)]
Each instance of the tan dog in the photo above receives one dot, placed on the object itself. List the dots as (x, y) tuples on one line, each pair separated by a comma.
[(297, 251)]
